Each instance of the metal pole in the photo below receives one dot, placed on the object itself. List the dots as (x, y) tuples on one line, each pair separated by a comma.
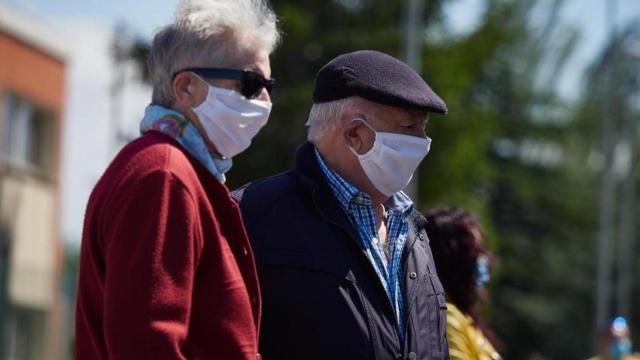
[(607, 194), (414, 23), (628, 209), (627, 224)]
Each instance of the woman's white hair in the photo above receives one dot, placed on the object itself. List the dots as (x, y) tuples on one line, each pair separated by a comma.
[(209, 33), (326, 116)]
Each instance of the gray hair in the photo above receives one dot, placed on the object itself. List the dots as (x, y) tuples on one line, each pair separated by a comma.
[(326, 116), (209, 33)]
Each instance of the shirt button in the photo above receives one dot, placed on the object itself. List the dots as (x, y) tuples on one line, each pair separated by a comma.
[(421, 236), (413, 275), (245, 251), (412, 356)]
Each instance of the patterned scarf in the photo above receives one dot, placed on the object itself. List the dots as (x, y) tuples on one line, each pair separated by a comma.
[(175, 125)]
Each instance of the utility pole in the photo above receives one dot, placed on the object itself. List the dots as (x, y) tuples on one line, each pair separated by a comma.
[(629, 62), (606, 233), (414, 25), (627, 221)]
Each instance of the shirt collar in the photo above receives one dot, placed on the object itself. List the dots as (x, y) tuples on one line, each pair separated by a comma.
[(400, 203)]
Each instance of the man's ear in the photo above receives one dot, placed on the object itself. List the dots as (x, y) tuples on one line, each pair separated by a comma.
[(354, 133), (185, 88)]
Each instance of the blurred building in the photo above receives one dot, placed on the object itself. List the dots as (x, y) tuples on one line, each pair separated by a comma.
[(32, 79)]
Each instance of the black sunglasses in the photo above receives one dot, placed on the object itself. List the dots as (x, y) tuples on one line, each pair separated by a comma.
[(251, 83)]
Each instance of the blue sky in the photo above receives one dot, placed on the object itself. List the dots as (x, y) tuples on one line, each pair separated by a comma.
[(86, 25), (142, 15)]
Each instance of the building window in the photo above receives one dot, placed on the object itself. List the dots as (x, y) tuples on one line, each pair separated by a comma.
[(28, 135)]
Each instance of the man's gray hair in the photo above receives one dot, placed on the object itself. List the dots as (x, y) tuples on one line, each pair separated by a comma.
[(325, 116), (209, 33)]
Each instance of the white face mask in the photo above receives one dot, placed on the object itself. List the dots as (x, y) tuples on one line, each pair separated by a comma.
[(390, 163), (230, 120)]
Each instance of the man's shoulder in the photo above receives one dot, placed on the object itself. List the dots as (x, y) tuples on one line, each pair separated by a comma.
[(265, 191)]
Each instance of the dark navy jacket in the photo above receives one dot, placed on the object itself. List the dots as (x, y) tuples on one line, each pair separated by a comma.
[(322, 299)]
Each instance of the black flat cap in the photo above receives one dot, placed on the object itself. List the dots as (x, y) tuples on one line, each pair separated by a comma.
[(377, 77)]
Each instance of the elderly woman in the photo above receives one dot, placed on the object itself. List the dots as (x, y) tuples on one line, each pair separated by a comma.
[(462, 261), (167, 271)]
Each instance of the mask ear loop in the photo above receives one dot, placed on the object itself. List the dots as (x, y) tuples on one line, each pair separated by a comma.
[(200, 78), (375, 136), (366, 123)]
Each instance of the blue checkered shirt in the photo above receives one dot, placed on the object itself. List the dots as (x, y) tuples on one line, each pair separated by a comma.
[(359, 207)]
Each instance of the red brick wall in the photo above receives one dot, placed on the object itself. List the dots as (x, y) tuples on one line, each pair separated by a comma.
[(37, 77), (31, 73)]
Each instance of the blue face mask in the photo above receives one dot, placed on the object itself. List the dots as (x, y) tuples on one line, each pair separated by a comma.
[(482, 271)]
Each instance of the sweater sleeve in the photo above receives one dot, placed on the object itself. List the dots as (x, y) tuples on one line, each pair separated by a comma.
[(151, 251)]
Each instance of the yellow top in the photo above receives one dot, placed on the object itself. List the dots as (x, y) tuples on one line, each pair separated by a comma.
[(466, 342)]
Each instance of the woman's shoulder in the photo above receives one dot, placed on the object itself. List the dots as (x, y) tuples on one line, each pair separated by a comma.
[(456, 318)]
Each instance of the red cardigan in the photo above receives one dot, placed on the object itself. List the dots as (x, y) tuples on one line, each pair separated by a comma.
[(166, 268)]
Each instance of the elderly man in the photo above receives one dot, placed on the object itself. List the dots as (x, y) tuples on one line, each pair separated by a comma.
[(166, 269), (343, 257)]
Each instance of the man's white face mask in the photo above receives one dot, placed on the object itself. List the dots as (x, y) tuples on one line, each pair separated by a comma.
[(392, 160), (230, 120)]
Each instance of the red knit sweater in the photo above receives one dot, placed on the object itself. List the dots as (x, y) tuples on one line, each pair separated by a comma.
[(166, 269)]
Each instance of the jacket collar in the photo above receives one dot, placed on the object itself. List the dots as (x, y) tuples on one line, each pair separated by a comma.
[(307, 168), (315, 184), (417, 219)]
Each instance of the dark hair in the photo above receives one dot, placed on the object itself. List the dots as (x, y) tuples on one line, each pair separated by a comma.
[(453, 235), (456, 243)]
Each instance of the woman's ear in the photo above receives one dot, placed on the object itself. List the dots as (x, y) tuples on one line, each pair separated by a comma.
[(187, 90)]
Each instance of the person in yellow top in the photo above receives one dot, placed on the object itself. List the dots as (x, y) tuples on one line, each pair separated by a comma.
[(466, 341), (463, 265)]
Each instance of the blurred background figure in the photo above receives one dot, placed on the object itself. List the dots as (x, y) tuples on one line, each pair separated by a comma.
[(614, 342), (463, 263)]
